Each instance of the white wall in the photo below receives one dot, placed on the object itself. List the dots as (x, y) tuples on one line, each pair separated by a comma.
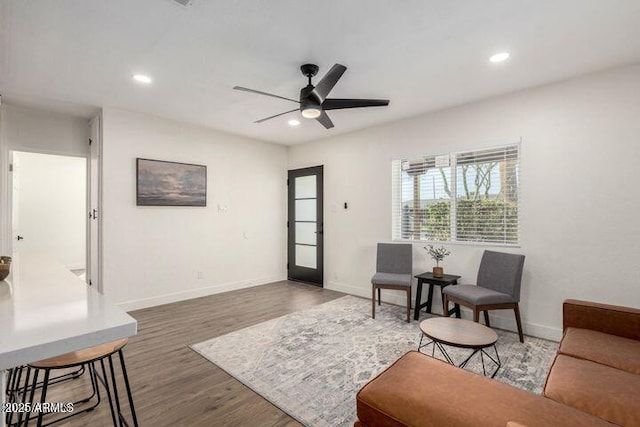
[(580, 195), (51, 203), (25, 129), (579, 191), (152, 255)]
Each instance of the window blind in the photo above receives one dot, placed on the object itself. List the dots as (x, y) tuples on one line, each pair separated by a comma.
[(422, 200), (467, 197)]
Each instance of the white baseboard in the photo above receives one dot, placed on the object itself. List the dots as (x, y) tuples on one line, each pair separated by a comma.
[(348, 289), (196, 293), (499, 320), (507, 321)]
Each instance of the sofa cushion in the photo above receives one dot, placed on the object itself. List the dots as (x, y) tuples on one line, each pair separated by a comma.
[(610, 350), (421, 391), (608, 393)]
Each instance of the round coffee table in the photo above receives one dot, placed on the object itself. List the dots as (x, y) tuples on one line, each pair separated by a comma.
[(462, 334)]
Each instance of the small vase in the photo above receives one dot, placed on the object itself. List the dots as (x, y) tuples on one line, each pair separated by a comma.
[(438, 272)]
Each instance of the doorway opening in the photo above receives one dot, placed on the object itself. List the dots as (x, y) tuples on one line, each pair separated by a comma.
[(48, 207)]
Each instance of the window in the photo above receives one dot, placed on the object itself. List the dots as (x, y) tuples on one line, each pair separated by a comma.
[(458, 197)]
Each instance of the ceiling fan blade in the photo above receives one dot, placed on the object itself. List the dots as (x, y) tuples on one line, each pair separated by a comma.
[(337, 103), (325, 120), (329, 80), (244, 89), (277, 115)]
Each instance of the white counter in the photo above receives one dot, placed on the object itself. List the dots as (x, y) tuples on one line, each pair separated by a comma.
[(46, 311)]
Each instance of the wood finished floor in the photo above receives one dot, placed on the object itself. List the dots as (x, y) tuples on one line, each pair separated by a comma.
[(173, 385)]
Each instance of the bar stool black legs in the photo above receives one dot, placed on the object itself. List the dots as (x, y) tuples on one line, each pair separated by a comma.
[(95, 392), (95, 361), (128, 387)]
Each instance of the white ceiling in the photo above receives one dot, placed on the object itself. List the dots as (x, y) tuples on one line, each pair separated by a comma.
[(423, 55)]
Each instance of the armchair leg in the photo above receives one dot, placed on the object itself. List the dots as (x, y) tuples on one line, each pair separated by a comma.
[(516, 310), (373, 302), (476, 315), (379, 297), (486, 318), (445, 305)]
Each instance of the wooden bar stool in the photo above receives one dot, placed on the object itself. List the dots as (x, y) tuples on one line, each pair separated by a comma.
[(87, 357)]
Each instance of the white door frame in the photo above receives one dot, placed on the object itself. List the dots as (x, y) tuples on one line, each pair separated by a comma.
[(94, 240), (10, 156)]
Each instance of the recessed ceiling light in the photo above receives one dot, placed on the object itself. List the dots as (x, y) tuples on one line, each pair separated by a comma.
[(294, 122), (499, 57), (141, 78)]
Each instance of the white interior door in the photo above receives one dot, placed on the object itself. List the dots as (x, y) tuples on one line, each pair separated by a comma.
[(49, 206), (93, 266)]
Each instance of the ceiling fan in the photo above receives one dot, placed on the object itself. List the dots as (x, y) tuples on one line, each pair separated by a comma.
[(313, 99)]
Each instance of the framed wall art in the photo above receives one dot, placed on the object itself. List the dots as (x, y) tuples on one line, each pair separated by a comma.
[(161, 183)]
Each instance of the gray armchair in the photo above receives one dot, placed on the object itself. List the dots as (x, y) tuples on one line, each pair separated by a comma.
[(393, 271), (497, 287)]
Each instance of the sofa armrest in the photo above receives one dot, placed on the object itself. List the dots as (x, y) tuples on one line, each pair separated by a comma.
[(610, 319)]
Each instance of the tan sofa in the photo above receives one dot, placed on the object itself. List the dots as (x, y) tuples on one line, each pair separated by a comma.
[(594, 381)]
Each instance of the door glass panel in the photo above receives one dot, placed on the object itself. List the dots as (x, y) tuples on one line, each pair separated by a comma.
[(306, 256), (305, 187), (305, 210), (306, 233)]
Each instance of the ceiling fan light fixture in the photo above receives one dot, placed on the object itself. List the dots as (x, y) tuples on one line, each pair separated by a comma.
[(311, 113), (314, 102), (309, 106)]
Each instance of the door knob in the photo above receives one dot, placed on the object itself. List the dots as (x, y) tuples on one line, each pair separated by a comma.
[(20, 238)]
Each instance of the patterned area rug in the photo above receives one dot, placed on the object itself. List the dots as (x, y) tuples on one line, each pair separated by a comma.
[(311, 363)]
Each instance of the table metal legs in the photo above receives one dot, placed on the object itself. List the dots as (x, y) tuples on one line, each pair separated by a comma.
[(496, 361)]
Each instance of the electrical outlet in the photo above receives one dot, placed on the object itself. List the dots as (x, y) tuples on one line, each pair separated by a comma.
[(200, 275)]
